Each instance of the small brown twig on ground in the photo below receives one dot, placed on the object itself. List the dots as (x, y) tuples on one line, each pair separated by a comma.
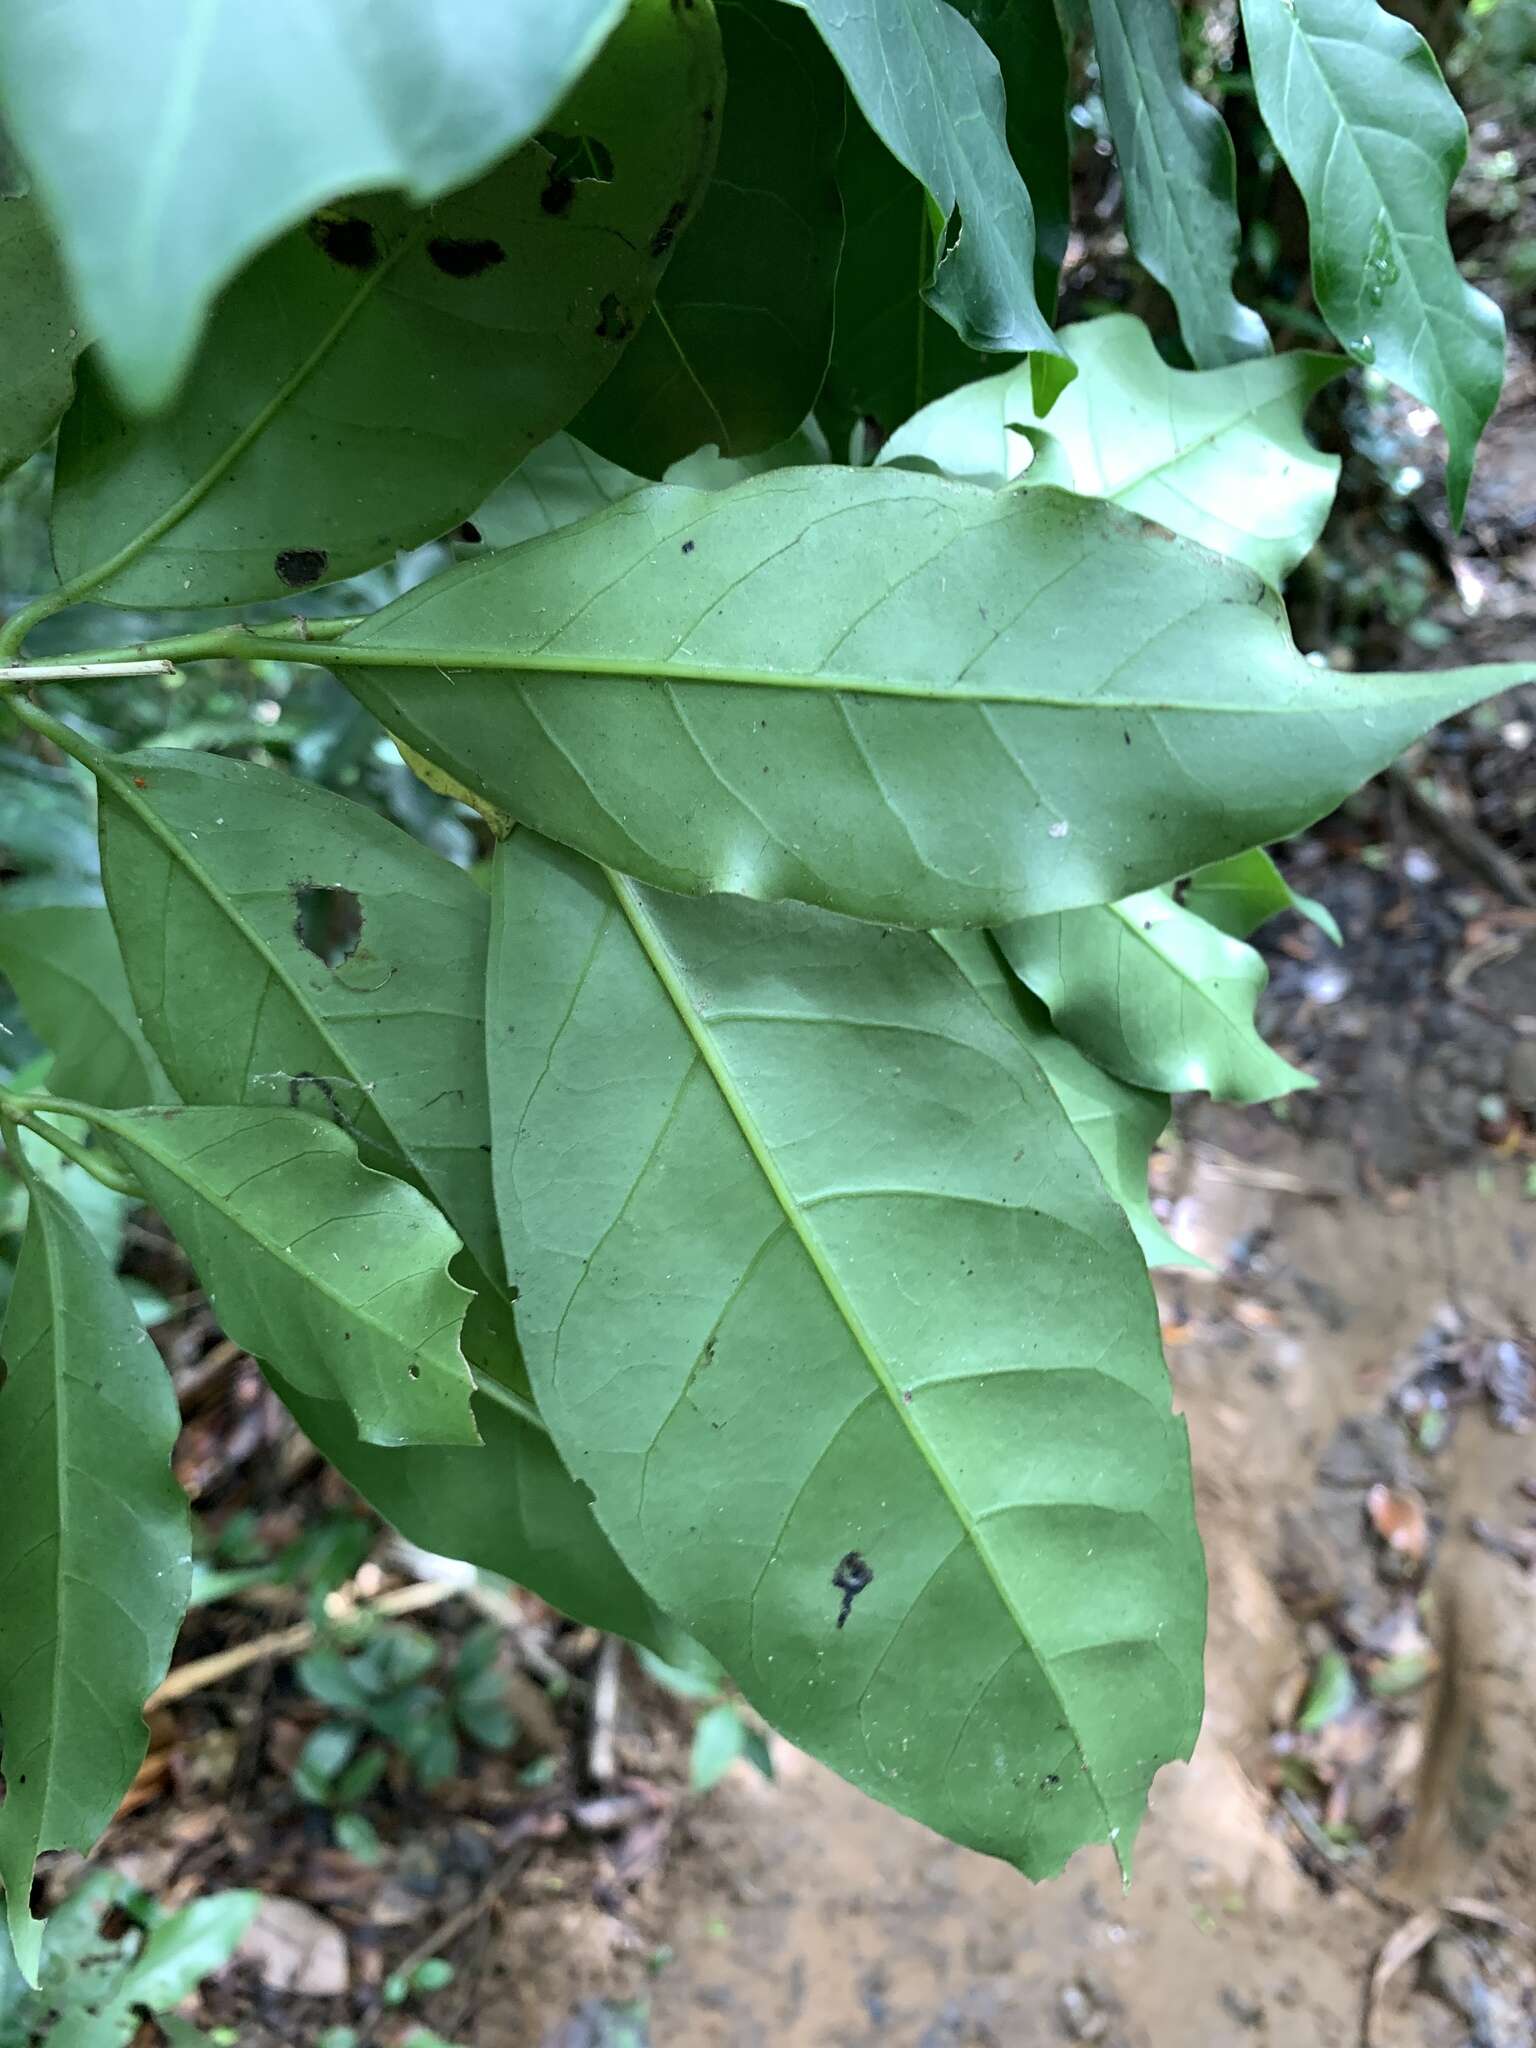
[(288, 1642), (1470, 846), (447, 1932)]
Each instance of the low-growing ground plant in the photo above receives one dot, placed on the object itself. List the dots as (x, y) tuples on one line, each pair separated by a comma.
[(708, 1186)]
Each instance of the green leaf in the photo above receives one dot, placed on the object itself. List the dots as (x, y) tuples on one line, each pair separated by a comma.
[(210, 867), (1218, 455), (42, 332), (93, 1529), (508, 1506), (244, 122), (1176, 159), (1240, 894), (559, 482), (736, 346), (891, 353), (337, 1274), (1025, 36), (1153, 994), (373, 375), (1330, 1695), (900, 697), (1357, 107), (60, 954), (188, 1947), (811, 1264), (932, 91), (1118, 1123), (719, 1738)]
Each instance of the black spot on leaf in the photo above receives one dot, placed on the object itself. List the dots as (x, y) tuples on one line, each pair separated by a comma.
[(853, 1574), (666, 234), (347, 239), (614, 322), (464, 258), (327, 923), (300, 566), (689, 546)]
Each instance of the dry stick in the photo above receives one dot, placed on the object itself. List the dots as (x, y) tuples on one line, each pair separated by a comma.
[(1464, 839), (286, 1642), (605, 1705), (449, 1931)]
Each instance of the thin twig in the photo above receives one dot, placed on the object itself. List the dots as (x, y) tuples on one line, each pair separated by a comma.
[(22, 675), (1470, 846), (448, 1932), (287, 1642), (603, 1710)]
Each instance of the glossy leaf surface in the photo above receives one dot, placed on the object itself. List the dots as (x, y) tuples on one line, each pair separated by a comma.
[(97, 1557), (879, 691), (932, 91), (1358, 109), (735, 348), (827, 1304), (1176, 159)]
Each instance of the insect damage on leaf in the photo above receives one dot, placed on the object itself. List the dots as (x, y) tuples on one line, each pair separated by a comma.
[(853, 1574), (327, 922), (347, 239), (300, 566), (464, 258)]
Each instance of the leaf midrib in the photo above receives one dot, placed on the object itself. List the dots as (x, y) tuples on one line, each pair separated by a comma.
[(106, 771), (117, 1123), (630, 902)]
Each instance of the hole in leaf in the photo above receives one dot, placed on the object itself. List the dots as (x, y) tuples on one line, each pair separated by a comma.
[(464, 258), (37, 1898), (469, 533), (327, 922), (116, 1923), (574, 160), (415, 1372), (666, 234), (347, 239), (615, 323), (300, 566)]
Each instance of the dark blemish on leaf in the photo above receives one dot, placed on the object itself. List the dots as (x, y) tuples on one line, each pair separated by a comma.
[(666, 234), (906, 1397), (458, 258), (853, 1574), (514, 1294), (1050, 1782), (706, 115), (328, 923), (348, 240), (689, 546), (470, 533), (1152, 526), (1126, 737), (414, 1371), (614, 322), (300, 566), (139, 782)]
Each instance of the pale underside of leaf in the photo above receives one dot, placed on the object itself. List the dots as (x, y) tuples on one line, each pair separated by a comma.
[(337, 1274), (879, 691), (60, 954), (1220, 456), (206, 864), (95, 1544), (1154, 995), (819, 1268)]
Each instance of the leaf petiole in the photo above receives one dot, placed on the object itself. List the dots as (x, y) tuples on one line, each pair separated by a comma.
[(31, 1112)]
